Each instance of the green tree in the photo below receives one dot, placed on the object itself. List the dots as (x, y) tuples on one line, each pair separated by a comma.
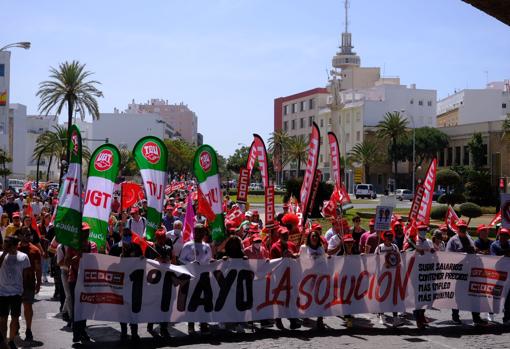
[(4, 171), (238, 159), (127, 163), (180, 155), (297, 150), (278, 148), (365, 153), (428, 142), (477, 150), (393, 128), (69, 87)]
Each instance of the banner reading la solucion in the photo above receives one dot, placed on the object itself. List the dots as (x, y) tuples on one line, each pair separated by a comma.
[(140, 291), (103, 170), (69, 210), (205, 166), (151, 156)]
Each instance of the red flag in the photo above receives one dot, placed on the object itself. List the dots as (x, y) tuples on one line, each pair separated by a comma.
[(260, 154), (451, 219), (204, 207), (27, 187), (131, 193), (422, 202), (136, 239), (311, 167), (30, 213), (189, 218), (496, 219)]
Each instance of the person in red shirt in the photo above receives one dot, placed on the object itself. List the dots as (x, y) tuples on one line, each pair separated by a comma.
[(284, 248), (31, 283), (115, 205), (256, 250)]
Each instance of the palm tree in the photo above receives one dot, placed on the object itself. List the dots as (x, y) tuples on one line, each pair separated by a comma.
[(365, 153), (297, 149), (54, 144), (278, 144), (392, 128), (69, 87)]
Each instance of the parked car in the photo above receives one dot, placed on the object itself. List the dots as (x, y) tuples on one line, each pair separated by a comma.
[(404, 194), (365, 191)]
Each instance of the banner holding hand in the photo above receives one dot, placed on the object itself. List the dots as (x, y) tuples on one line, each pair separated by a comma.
[(151, 156), (103, 170)]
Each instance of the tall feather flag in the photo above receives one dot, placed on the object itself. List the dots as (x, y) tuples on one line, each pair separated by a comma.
[(189, 219)]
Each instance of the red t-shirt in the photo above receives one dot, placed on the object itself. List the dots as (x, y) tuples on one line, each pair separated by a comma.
[(279, 251)]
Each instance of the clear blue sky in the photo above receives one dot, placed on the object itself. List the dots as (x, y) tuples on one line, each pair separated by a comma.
[(229, 59)]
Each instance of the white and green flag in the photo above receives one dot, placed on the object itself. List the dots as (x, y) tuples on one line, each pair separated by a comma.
[(205, 166), (103, 170), (69, 210), (151, 156)]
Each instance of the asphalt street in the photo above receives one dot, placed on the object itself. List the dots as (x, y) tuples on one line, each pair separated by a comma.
[(49, 332)]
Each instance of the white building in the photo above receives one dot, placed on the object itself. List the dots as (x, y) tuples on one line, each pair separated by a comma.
[(474, 105), (125, 129), (35, 126), (16, 144)]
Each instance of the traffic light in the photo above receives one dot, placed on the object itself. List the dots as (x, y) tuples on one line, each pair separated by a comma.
[(503, 184)]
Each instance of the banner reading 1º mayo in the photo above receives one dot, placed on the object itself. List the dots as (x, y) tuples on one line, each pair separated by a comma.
[(69, 210), (151, 156), (205, 166), (140, 291), (103, 170)]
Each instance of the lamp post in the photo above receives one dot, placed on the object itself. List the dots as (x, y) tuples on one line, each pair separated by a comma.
[(22, 44), (414, 148)]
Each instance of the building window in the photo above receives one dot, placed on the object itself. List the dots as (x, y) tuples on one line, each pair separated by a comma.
[(358, 116), (485, 162), (329, 122), (348, 137), (293, 124), (348, 118), (503, 105), (322, 122), (429, 103), (441, 158), (311, 104), (420, 102), (285, 125), (411, 101), (285, 109), (293, 108), (465, 160), (320, 140), (310, 121), (321, 158), (302, 106), (449, 157), (358, 136), (2, 69), (301, 123), (457, 155)]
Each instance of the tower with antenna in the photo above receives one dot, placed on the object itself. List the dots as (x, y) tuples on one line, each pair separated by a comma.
[(346, 58)]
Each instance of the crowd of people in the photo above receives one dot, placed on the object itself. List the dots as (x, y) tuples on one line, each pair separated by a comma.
[(31, 253)]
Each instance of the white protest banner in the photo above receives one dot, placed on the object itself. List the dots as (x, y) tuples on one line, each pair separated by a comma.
[(140, 291), (383, 217)]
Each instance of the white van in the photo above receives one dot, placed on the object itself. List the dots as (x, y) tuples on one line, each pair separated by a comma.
[(16, 184), (365, 191)]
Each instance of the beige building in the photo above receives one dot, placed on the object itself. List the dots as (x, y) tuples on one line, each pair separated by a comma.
[(182, 119)]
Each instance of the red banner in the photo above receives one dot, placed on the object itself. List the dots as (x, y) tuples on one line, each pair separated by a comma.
[(170, 188), (451, 219), (269, 198), (258, 152), (496, 219), (316, 182), (242, 185), (422, 202), (130, 193), (311, 167), (334, 152)]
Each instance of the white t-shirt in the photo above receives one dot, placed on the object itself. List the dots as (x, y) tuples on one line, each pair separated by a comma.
[(426, 245), (177, 241), (61, 256), (36, 208), (11, 273), (307, 250), (195, 251), (334, 242), (329, 234), (382, 248), (137, 227)]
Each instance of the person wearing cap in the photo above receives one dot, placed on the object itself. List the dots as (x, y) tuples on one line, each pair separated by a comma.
[(285, 249), (31, 279), (175, 239), (136, 223), (256, 250), (373, 240), (126, 248), (501, 247), (15, 225), (463, 243), (398, 231), (444, 230), (483, 243), (255, 218), (272, 235), (364, 237), (336, 228), (14, 269), (437, 240), (72, 260), (335, 243), (252, 229), (198, 252)]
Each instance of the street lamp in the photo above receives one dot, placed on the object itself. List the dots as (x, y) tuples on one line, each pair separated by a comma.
[(22, 44), (414, 146)]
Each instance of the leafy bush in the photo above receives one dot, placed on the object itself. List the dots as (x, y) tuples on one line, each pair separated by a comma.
[(448, 178), (479, 188), (470, 209), (438, 212), (452, 199)]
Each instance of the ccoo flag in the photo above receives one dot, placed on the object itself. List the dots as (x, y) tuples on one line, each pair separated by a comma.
[(205, 166), (103, 170), (151, 156), (69, 210)]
